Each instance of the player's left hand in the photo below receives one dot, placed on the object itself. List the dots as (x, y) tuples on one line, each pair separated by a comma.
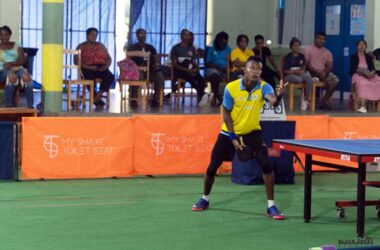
[(244, 153), (281, 87), (236, 144), (102, 68), (371, 74)]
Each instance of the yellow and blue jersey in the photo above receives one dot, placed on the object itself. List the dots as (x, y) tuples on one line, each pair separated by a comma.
[(245, 106)]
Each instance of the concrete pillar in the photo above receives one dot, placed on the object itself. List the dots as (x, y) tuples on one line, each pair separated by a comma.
[(52, 57)]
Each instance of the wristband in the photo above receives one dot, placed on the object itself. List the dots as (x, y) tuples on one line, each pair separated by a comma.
[(278, 100), (232, 136)]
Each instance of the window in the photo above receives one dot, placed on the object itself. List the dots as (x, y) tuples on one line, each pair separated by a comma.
[(164, 19), (78, 16), (31, 32)]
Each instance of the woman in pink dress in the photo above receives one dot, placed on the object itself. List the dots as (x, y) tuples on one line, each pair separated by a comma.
[(362, 70)]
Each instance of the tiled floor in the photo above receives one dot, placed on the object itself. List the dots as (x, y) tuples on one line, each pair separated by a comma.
[(340, 108)]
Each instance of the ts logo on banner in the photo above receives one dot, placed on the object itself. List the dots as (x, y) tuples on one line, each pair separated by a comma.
[(156, 143), (50, 146)]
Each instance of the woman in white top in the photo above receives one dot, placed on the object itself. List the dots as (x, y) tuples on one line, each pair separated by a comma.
[(11, 60)]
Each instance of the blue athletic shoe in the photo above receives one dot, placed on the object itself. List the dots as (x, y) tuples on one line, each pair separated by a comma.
[(275, 213), (201, 205)]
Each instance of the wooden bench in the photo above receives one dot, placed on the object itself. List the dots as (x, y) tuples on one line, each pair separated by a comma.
[(314, 93), (301, 86), (355, 95), (292, 87), (16, 94), (16, 114)]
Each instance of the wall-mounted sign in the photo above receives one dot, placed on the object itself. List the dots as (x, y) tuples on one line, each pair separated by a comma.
[(357, 19), (333, 20)]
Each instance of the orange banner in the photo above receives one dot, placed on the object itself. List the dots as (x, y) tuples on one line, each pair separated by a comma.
[(324, 127), (177, 144), (68, 147), (354, 128), (308, 128), (311, 127)]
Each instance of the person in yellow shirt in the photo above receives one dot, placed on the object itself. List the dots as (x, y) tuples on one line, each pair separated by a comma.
[(239, 56), (241, 131)]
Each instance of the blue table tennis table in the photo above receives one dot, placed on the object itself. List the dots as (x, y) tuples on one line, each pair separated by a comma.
[(359, 151)]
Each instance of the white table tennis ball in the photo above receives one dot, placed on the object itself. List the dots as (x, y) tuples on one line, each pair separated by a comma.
[(269, 42)]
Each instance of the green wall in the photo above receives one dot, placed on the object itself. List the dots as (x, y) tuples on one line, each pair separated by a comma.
[(250, 17)]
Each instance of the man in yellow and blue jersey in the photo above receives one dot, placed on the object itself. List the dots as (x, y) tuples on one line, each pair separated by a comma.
[(242, 103)]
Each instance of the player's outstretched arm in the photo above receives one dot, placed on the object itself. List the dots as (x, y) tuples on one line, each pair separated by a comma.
[(274, 100)]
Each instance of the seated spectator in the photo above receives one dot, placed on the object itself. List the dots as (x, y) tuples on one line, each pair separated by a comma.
[(362, 70), (260, 50), (155, 73), (295, 70), (239, 56), (185, 66), (200, 52), (12, 58), (319, 62), (376, 56), (216, 62), (166, 69), (95, 64)]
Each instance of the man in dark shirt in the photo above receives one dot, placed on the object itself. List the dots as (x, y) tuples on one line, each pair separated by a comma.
[(264, 52), (155, 73), (184, 60)]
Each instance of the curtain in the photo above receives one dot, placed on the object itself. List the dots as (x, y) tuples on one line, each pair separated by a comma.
[(149, 19), (136, 7), (299, 16)]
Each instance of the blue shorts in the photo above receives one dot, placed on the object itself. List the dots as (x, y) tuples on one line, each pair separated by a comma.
[(5, 72)]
